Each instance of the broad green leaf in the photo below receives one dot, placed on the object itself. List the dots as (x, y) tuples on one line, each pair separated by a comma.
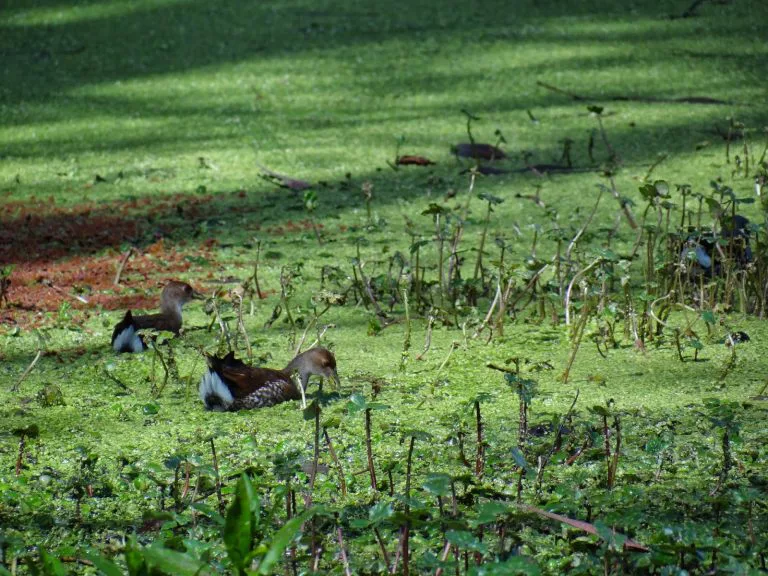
[(51, 565), (209, 512), (380, 512), (282, 540), (134, 558), (173, 562), (104, 565), (239, 525)]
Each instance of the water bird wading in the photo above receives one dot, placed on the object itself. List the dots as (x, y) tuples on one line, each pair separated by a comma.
[(126, 337), (229, 384)]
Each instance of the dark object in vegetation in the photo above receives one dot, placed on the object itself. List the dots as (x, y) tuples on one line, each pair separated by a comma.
[(125, 337), (624, 98), (628, 544), (31, 431), (5, 284), (736, 338), (486, 170), (229, 384), (283, 181), (707, 251), (691, 11), (478, 151), (414, 161), (50, 395), (553, 168)]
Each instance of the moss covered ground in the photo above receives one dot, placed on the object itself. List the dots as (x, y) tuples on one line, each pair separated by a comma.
[(149, 124)]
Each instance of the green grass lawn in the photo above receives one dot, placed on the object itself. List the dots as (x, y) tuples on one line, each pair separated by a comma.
[(124, 123)]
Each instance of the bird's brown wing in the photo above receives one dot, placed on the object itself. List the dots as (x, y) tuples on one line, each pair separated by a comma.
[(243, 380)]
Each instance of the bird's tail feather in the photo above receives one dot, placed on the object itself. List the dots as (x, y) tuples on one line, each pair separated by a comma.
[(214, 392), (125, 337)]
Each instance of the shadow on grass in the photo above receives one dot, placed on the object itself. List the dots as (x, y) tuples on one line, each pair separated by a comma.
[(37, 231), (100, 43)]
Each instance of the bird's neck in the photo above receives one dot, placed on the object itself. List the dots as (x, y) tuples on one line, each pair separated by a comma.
[(297, 365), (171, 309)]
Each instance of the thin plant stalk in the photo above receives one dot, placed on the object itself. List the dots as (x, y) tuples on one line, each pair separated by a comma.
[(335, 458), (219, 496), (480, 459), (369, 449)]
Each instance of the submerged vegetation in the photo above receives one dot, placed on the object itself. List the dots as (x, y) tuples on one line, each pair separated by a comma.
[(550, 345)]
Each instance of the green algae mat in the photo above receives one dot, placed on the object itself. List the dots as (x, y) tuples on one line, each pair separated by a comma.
[(529, 232)]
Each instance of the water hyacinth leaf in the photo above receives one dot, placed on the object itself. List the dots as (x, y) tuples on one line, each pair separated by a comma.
[(662, 188), (31, 431), (696, 344), (419, 244), (209, 512), (488, 512), (434, 210), (519, 458), (490, 198), (599, 410), (356, 404), (379, 512), (417, 434), (239, 526), (465, 540), (311, 411), (438, 484), (515, 566), (282, 540), (613, 539)]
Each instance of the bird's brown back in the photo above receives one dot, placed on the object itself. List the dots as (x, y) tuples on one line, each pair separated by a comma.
[(158, 322), (245, 380)]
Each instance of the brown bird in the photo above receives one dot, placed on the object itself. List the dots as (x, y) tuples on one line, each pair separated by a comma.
[(125, 336), (229, 384)]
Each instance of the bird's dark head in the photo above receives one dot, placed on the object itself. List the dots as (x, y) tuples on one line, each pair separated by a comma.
[(317, 362), (176, 294)]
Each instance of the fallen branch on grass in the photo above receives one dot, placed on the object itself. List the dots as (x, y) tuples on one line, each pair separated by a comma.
[(624, 98), (580, 525), (283, 181)]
